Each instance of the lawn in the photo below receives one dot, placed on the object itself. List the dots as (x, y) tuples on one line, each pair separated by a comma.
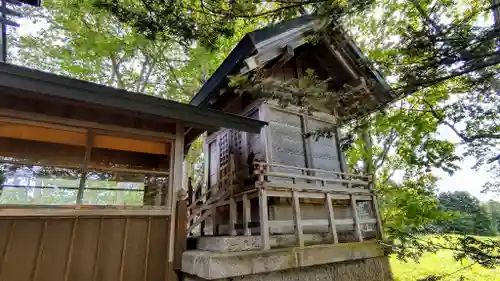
[(439, 263)]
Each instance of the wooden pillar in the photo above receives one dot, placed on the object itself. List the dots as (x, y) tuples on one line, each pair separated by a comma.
[(299, 232), (232, 202), (180, 232), (247, 213), (264, 220), (176, 184)]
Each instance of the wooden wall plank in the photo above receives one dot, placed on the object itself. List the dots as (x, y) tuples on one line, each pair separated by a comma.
[(19, 260), (108, 267), (84, 251), (158, 243), (54, 249), (135, 255), (6, 231)]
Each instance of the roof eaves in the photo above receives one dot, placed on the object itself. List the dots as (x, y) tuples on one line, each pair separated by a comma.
[(68, 88), (242, 49)]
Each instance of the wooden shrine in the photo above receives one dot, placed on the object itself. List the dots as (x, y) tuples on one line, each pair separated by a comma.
[(278, 190)]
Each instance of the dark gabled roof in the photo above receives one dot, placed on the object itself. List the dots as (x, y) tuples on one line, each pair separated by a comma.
[(63, 87), (247, 47), (275, 37)]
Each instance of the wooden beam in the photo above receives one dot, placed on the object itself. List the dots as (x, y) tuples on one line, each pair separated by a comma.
[(317, 222), (299, 233), (35, 118), (53, 211), (197, 222), (312, 188), (331, 218), (287, 54), (312, 178)]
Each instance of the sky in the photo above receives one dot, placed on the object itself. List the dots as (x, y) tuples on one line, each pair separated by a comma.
[(466, 179)]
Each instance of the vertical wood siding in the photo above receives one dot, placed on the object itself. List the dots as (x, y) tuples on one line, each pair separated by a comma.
[(84, 249)]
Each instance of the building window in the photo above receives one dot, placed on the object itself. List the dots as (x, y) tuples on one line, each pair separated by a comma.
[(45, 165)]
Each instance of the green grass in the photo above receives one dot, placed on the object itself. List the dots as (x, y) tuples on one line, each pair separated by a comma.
[(440, 263)]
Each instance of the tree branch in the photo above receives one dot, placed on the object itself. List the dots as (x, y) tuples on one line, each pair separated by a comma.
[(146, 77), (411, 88), (385, 151), (144, 65), (116, 71), (467, 139)]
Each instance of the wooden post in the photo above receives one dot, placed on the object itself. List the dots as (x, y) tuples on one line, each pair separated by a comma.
[(232, 216), (357, 227), (232, 201), (176, 183), (307, 144), (264, 220), (215, 221), (180, 232), (190, 190), (331, 218), (299, 233), (86, 160), (375, 209), (246, 215)]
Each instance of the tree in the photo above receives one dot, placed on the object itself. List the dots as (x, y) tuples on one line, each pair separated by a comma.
[(470, 217), (190, 21), (80, 41), (492, 208)]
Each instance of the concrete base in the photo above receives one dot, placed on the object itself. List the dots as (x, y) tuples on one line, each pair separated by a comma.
[(370, 269), (213, 266)]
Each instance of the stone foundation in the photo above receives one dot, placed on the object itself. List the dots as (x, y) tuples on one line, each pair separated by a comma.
[(369, 269), (237, 262)]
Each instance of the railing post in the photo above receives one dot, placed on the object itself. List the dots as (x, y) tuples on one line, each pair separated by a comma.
[(331, 218), (299, 233), (357, 227), (375, 208)]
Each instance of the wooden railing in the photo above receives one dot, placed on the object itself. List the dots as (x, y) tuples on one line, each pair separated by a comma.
[(303, 184)]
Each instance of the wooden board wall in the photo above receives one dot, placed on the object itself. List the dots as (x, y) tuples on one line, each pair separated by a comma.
[(129, 248)]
